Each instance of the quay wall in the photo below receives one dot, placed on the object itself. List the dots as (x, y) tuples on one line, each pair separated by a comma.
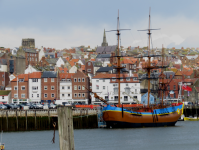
[(30, 120)]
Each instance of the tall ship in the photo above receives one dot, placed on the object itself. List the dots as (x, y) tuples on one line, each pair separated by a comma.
[(148, 115)]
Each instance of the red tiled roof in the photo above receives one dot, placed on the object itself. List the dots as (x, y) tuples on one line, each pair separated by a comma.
[(35, 75), (73, 61), (92, 60), (65, 75), (113, 75), (63, 69), (187, 72), (22, 76)]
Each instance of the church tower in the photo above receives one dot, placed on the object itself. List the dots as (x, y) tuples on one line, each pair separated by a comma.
[(104, 43)]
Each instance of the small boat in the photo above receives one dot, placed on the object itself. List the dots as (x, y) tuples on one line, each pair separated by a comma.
[(191, 119)]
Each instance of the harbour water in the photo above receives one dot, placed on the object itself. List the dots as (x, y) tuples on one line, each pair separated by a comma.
[(184, 136)]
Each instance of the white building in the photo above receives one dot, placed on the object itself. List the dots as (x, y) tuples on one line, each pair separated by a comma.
[(106, 86), (60, 62), (30, 69), (3, 65), (34, 87), (41, 53), (73, 69), (5, 97), (65, 87)]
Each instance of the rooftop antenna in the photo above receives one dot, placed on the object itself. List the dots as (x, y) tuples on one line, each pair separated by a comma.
[(118, 67)]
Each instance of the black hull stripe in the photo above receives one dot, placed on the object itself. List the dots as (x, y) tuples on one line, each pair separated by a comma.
[(117, 124)]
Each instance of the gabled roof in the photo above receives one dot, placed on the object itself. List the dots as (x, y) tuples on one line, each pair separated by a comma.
[(49, 74), (192, 57), (3, 93), (29, 50), (1, 54), (35, 75), (103, 56), (63, 69), (106, 49), (52, 60), (22, 76), (73, 61), (187, 72)]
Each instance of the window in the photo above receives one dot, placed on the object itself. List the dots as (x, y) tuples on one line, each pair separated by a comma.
[(52, 95), (23, 88), (79, 95), (97, 80), (97, 87), (2, 97), (121, 79), (104, 87), (83, 80), (106, 97), (113, 79), (89, 63), (45, 87), (79, 79), (79, 87), (174, 87), (68, 87), (32, 59), (23, 96), (35, 80), (32, 95), (103, 80), (34, 87), (62, 87), (52, 79), (15, 96), (135, 84), (83, 95), (35, 59), (75, 80), (75, 87), (45, 95), (83, 88), (136, 91), (127, 84), (45, 79), (127, 79), (75, 95), (68, 95), (52, 87), (88, 70), (62, 95), (134, 79), (21, 80), (37, 95), (15, 88), (168, 87)]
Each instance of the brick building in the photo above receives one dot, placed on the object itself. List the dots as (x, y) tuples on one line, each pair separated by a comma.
[(49, 86), (4, 79), (20, 91), (80, 82)]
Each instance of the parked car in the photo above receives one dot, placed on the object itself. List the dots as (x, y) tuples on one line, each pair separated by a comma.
[(39, 106), (52, 106), (3, 106), (9, 106), (15, 106)]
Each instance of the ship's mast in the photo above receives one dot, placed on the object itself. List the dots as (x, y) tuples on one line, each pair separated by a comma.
[(149, 63), (118, 56), (148, 66)]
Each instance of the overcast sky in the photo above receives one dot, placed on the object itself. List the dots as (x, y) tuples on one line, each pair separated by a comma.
[(67, 23)]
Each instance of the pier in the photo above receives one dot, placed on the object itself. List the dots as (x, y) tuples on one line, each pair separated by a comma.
[(31, 120)]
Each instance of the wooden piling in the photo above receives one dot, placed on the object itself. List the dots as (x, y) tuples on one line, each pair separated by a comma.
[(65, 126), (26, 121), (17, 121)]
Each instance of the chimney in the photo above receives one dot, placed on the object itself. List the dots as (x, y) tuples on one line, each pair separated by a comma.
[(56, 55)]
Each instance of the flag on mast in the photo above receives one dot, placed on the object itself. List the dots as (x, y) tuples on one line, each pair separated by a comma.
[(185, 87)]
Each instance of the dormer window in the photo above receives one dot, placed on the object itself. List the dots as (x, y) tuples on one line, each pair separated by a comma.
[(89, 63), (113, 79)]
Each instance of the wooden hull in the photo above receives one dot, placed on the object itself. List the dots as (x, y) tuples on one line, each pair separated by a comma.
[(190, 119), (122, 118)]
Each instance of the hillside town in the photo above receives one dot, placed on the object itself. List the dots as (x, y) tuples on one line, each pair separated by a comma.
[(39, 75)]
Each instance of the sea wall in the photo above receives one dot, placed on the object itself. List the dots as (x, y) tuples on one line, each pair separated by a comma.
[(30, 120)]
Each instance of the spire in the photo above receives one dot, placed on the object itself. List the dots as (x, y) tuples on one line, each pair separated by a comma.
[(104, 43)]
